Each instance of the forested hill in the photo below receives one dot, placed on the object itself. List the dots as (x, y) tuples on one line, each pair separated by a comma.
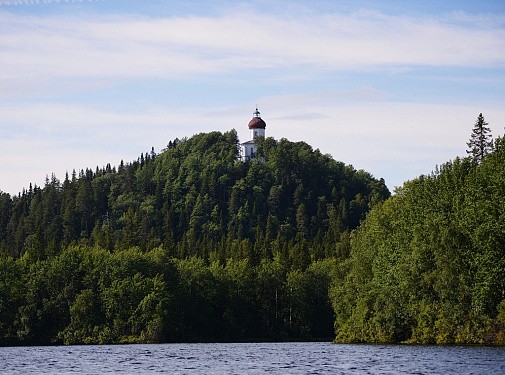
[(188, 245), (428, 265), (196, 198)]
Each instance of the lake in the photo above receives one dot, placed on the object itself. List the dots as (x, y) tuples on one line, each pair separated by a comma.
[(256, 358)]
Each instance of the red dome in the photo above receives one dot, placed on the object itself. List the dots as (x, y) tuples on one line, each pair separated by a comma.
[(257, 123)]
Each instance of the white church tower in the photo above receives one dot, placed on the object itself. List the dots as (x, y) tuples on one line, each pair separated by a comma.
[(257, 128)]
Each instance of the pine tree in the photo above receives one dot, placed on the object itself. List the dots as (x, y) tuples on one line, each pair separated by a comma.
[(480, 143)]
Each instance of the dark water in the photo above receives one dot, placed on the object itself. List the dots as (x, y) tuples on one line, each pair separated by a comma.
[(274, 358)]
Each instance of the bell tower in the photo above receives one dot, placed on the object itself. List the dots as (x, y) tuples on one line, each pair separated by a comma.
[(257, 128)]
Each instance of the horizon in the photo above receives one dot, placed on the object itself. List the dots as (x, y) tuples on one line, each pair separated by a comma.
[(387, 87)]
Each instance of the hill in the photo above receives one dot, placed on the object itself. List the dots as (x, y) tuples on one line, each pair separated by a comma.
[(196, 198), (190, 244)]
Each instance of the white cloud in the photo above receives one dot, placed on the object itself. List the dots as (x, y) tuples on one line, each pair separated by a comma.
[(397, 141), (48, 56), (38, 140), (129, 46)]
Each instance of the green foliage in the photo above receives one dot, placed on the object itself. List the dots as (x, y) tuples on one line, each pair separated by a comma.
[(427, 265), (88, 295), (196, 198), (188, 245), (12, 294), (480, 143)]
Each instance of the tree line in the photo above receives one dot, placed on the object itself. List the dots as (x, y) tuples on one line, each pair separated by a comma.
[(189, 244), (88, 295), (195, 245), (197, 199), (428, 265)]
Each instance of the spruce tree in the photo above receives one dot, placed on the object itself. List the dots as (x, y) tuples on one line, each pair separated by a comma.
[(480, 142)]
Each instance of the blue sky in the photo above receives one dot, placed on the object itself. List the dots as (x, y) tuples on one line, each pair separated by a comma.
[(392, 87)]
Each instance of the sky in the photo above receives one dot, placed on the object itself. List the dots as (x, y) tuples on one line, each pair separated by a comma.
[(391, 87)]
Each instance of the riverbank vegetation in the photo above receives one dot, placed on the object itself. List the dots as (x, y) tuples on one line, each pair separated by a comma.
[(188, 245), (428, 265), (195, 245), (88, 295)]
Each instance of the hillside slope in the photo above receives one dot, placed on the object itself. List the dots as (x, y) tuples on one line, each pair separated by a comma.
[(428, 265), (188, 245), (196, 198)]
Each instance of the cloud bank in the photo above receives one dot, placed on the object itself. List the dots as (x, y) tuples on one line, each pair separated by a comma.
[(140, 47), (84, 89)]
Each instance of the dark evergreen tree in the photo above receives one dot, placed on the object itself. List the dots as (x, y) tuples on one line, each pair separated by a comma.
[(480, 143)]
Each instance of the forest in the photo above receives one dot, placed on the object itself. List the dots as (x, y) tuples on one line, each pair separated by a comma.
[(191, 244), (427, 266)]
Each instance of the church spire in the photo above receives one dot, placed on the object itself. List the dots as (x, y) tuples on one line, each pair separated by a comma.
[(257, 127)]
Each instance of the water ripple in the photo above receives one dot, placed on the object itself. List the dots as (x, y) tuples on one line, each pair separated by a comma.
[(257, 358)]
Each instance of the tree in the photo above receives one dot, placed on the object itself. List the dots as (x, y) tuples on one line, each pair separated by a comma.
[(245, 235), (480, 143)]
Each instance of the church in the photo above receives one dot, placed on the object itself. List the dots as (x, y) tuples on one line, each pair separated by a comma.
[(257, 128)]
